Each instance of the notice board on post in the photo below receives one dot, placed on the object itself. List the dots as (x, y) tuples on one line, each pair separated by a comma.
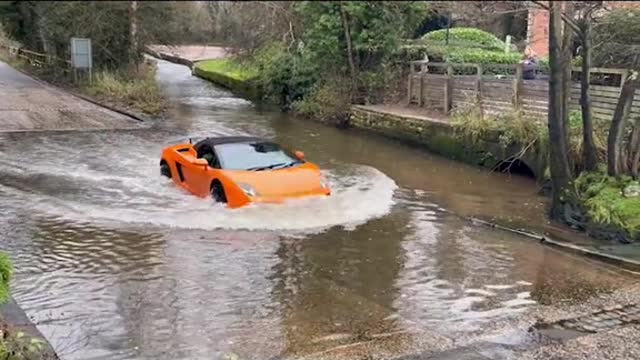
[(81, 58), (81, 53)]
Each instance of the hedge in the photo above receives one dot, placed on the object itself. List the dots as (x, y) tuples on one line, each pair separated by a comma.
[(466, 37)]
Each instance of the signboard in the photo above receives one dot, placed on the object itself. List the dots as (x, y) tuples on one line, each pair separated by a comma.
[(81, 53)]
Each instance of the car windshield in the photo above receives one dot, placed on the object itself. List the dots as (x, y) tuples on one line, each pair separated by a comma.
[(254, 156)]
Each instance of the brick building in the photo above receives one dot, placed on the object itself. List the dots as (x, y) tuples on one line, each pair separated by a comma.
[(538, 25)]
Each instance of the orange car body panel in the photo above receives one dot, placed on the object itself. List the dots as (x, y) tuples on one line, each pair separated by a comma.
[(271, 186)]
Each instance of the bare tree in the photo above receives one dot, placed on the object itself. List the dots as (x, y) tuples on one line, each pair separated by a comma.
[(616, 159), (561, 174)]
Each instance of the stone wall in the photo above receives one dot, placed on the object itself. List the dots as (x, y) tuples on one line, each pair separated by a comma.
[(441, 138)]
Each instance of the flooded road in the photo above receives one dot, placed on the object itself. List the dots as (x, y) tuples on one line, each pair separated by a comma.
[(115, 262)]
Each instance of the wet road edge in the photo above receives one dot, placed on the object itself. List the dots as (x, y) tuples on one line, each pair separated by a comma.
[(625, 263), (17, 320)]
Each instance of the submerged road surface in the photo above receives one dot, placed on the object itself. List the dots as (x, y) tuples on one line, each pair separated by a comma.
[(114, 262)]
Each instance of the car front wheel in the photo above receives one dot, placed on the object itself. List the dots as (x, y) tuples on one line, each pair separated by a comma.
[(217, 193), (165, 170)]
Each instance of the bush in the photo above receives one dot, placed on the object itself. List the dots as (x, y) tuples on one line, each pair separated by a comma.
[(141, 92), (466, 37), (285, 76), (328, 102), (6, 271), (457, 54), (603, 198)]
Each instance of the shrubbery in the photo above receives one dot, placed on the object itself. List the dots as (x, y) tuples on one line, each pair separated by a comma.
[(470, 37), (603, 198), (142, 93), (466, 45)]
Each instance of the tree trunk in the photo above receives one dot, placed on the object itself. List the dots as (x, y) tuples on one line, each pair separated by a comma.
[(347, 36), (589, 152), (634, 150), (615, 141), (567, 55), (133, 36), (558, 159)]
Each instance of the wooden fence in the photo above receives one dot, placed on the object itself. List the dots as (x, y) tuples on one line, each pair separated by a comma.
[(37, 59), (500, 88)]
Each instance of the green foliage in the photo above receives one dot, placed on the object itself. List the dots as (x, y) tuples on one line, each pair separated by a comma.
[(512, 128), (230, 67), (602, 196), (6, 271), (458, 54), (20, 346), (296, 72), (466, 45), (47, 26), (600, 132), (141, 92), (328, 101), (469, 37), (284, 76), (470, 123)]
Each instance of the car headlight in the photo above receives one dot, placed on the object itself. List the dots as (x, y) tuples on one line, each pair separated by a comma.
[(248, 189)]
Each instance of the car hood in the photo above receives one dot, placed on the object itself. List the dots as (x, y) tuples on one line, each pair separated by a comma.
[(299, 180)]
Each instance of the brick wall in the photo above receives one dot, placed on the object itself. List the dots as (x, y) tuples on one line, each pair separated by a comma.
[(538, 25), (538, 32)]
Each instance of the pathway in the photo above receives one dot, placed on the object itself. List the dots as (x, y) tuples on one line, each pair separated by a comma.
[(30, 105), (191, 53)]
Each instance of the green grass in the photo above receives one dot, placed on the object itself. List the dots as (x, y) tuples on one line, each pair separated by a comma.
[(230, 67), (141, 93), (603, 198), (6, 271)]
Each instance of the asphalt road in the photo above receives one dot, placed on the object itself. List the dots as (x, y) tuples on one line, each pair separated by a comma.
[(30, 105)]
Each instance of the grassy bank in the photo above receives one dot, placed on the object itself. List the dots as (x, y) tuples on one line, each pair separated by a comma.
[(235, 75), (139, 92), (609, 207)]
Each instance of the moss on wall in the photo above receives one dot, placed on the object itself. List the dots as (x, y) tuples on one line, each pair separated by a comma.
[(230, 75), (441, 138)]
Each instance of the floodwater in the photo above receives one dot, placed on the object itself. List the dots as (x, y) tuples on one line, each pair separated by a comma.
[(115, 262)]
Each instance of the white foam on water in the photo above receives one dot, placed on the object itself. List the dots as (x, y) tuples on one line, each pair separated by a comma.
[(359, 193)]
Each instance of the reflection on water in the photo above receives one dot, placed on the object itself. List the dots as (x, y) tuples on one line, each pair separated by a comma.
[(113, 262)]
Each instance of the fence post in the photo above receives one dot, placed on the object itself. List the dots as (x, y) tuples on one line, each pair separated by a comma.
[(421, 87), (478, 82), (410, 86), (517, 87), (448, 89)]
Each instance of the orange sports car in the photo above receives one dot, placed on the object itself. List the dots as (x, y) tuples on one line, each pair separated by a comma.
[(240, 170)]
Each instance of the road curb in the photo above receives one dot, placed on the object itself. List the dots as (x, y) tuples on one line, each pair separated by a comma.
[(625, 263), (171, 58)]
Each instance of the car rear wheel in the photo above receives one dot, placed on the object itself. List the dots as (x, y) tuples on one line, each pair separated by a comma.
[(217, 193), (165, 170)]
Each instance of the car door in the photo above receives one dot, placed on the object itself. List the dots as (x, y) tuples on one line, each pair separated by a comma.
[(191, 174)]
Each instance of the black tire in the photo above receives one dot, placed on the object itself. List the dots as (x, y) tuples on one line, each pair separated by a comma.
[(165, 170), (217, 193)]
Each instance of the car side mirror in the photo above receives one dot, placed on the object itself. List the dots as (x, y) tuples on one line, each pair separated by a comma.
[(299, 154)]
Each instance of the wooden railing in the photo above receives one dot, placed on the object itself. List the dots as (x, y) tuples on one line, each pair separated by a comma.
[(37, 59), (500, 88)]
